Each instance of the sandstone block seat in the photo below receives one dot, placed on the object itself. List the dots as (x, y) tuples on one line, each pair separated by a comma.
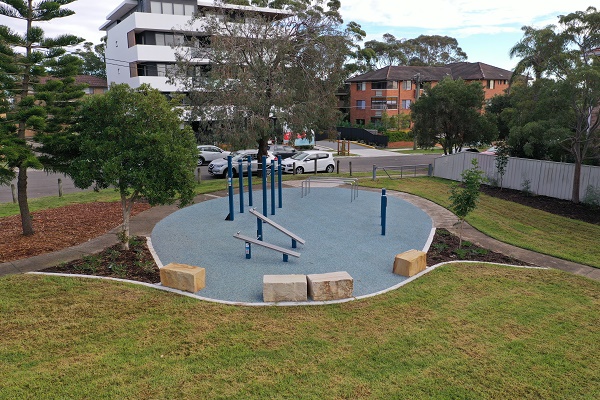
[(330, 286), (278, 288), (183, 277), (410, 263)]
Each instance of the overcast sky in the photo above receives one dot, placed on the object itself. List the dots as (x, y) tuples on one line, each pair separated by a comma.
[(486, 30)]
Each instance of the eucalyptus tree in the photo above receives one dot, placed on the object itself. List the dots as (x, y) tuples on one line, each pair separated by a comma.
[(266, 68), (25, 58)]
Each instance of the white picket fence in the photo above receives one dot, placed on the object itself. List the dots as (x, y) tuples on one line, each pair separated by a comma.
[(545, 178)]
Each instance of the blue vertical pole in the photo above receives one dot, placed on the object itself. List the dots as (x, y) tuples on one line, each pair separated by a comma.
[(273, 177), (230, 186), (248, 250), (250, 181), (259, 230), (264, 184), (383, 211), (241, 184), (279, 182)]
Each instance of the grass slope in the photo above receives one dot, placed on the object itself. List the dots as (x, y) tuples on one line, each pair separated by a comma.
[(513, 223), (462, 331)]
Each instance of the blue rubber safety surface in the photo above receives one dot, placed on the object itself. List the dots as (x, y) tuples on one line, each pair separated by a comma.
[(340, 236)]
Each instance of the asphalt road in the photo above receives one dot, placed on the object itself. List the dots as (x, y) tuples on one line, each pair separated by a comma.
[(42, 184)]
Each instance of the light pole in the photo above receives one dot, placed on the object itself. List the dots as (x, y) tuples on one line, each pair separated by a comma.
[(417, 80)]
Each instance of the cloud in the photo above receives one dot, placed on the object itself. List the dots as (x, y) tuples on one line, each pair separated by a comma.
[(467, 16)]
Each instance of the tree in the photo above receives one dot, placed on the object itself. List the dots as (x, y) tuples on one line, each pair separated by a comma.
[(94, 59), (535, 49), (450, 113), (282, 67), (501, 160), (433, 50), (25, 58), (570, 59), (131, 139), (465, 196)]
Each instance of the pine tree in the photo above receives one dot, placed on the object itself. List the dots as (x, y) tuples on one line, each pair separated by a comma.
[(34, 106)]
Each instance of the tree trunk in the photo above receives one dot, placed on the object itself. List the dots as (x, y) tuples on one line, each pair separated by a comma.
[(126, 208), (26, 222), (576, 182)]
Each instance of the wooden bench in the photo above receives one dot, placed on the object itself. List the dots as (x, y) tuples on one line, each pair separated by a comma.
[(249, 240), (295, 238)]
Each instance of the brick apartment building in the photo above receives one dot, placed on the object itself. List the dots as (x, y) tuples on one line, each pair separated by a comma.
[(393, 89)]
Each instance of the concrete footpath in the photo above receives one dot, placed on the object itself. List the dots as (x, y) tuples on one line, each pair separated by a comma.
[(143, 223)]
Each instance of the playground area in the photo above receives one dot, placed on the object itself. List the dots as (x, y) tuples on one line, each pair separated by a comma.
[(341, 233)]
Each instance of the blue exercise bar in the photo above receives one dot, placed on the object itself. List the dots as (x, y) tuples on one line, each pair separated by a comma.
[(383, 211), (230, 186), (241, 184), (273, 177), (250, 181), (279, 182)]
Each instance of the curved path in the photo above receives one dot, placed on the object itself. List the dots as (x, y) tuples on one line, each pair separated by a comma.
[(143, 224)]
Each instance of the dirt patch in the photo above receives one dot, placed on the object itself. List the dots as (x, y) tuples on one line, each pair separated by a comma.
[(565, 208), (400, 145), (59, 228)]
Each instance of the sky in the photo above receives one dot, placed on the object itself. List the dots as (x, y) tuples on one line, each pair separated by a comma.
[(484, 29)]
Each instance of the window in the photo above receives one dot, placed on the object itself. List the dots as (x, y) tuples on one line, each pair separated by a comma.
[(490, 84), (361, 86), (178, 9), (155, 7), (406, 85), (384, 85), (376, 120), (189, 9), (361, 104), (384, 103), (360, 122), (405, 104)]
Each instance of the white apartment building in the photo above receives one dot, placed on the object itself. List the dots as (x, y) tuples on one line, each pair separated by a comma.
[(141, 35)]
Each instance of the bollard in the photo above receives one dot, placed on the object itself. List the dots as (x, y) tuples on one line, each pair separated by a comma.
[(14, 192), (250, 181), (230, 186), (350, 167), (60, 191), (198, 175), (316, 159), (374, 171), (294, 166), (383, 211), (337, 166), (241, 184), (273, 177), (430, 170)]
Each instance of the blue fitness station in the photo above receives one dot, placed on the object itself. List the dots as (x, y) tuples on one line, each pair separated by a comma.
[(273, 230)]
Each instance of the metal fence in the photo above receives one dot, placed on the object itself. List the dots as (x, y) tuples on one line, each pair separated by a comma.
[(545, 178)]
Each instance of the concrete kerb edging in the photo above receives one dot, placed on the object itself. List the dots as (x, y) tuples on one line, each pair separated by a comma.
[(158, 286)]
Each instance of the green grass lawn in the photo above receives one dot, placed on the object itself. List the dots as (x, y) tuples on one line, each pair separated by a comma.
[(462, 331), (513, 223)]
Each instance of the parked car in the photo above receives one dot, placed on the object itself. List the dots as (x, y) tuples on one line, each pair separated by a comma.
[(219, 167), (283, 151), (491, 151), (305, 162), (208, 153)]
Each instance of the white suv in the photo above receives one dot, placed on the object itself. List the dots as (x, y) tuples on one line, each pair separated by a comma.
[(219, 167), (208, 153), (305, 162)]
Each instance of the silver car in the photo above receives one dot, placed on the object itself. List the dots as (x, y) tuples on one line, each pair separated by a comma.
[(208, 153), (219, 167)]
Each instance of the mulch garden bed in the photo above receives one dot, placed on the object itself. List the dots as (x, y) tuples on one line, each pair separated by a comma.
[(60, 228)]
